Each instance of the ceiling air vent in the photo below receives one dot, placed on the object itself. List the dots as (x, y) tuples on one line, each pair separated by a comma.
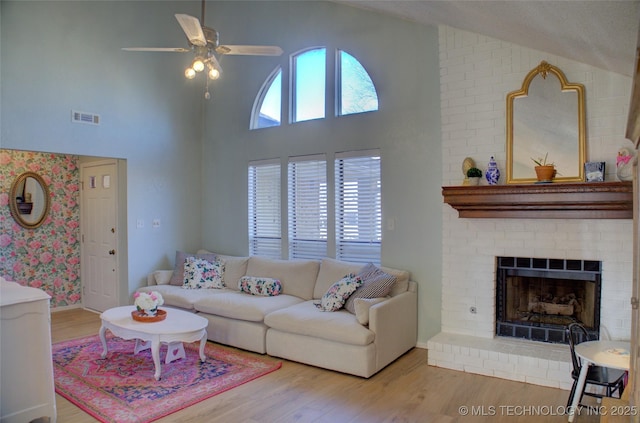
[(84, 117)]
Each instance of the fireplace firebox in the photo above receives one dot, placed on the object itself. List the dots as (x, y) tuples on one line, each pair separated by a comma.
[(536, 298)]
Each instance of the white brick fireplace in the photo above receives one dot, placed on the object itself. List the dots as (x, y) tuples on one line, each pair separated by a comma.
[(476, 74)]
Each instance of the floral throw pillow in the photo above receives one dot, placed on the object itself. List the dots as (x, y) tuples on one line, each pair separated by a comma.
[(177, 278), (338, 294), (203, 274), (254, 285)]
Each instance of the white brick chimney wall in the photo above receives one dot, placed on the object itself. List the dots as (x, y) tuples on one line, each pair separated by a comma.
[(476, 73)]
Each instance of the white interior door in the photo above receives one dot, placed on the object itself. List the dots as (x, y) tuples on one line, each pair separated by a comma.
[(99, 228)]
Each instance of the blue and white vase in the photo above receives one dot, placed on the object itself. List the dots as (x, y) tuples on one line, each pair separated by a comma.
[(493, 173)]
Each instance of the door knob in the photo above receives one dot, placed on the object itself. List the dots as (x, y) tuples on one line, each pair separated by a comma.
[(112, 252)]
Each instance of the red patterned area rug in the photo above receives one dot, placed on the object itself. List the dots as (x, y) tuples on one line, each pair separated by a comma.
[(121, 389)]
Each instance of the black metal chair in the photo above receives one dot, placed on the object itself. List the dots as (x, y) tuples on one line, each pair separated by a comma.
[(612, 380)]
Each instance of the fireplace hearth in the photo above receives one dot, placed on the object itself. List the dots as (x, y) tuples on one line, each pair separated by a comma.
[(536, 298)]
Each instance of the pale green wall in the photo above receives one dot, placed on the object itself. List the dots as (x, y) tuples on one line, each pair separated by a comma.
[(57, 56), (155, 119), (402, 59)]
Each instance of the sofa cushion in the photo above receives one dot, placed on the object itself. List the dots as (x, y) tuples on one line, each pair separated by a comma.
[(331, 270), (203, 274), (234, 268), (375, 283), (336, 296), (362, 306), (402, 280), (177, 278), (306, 319), (175, 296), (255, 285), (297, 277), (242, 306)]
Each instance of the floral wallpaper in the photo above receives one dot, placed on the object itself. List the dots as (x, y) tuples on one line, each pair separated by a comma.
[(47, 257)]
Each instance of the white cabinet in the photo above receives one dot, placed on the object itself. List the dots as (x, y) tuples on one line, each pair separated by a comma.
[(26, 368)]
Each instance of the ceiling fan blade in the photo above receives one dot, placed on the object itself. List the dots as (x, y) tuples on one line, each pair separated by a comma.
[(250, 50), (192, 29), (169, 49)]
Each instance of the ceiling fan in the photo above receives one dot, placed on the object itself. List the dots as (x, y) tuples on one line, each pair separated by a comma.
[(204, 43)]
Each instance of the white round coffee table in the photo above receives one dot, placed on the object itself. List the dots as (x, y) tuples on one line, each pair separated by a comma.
[(178, 327)]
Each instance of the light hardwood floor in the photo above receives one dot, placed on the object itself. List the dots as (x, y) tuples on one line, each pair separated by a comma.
[(408, 390)]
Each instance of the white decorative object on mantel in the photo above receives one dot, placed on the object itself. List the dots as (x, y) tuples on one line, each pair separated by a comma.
[(624, 163), (492, 173), (467, 164)]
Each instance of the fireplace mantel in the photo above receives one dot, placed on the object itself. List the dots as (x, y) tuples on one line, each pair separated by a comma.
[(580, 200)]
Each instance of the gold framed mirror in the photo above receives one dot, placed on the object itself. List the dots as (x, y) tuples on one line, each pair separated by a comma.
[(29, 200), (546, 118)]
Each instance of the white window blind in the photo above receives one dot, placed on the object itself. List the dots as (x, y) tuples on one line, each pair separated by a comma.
[(307, 207), (358, 207), (264, 209)]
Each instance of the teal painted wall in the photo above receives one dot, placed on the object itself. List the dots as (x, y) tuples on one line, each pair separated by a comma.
[(187, 158), (63, 55), (402, 60)]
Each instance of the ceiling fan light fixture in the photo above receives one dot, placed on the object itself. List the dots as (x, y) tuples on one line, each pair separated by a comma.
[(189, 73), (213, 73), (204, 45), (198, 64)]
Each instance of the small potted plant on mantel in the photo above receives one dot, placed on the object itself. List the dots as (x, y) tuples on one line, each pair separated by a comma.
[(474, 174), (545, 172)]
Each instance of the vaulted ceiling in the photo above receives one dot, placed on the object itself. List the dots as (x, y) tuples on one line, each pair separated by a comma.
[(601, 33)]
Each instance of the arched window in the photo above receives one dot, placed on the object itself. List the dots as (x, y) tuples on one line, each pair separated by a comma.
[(355, 91), (308, 80), (268, 104)]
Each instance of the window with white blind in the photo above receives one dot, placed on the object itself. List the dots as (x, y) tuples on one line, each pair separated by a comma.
[(358, 207), (307, 208), (265, 237)]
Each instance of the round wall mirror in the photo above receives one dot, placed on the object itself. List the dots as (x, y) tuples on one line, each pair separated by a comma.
[(29, 200)]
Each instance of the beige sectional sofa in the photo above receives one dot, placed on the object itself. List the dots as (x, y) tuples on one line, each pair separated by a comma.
[(290, 326)]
